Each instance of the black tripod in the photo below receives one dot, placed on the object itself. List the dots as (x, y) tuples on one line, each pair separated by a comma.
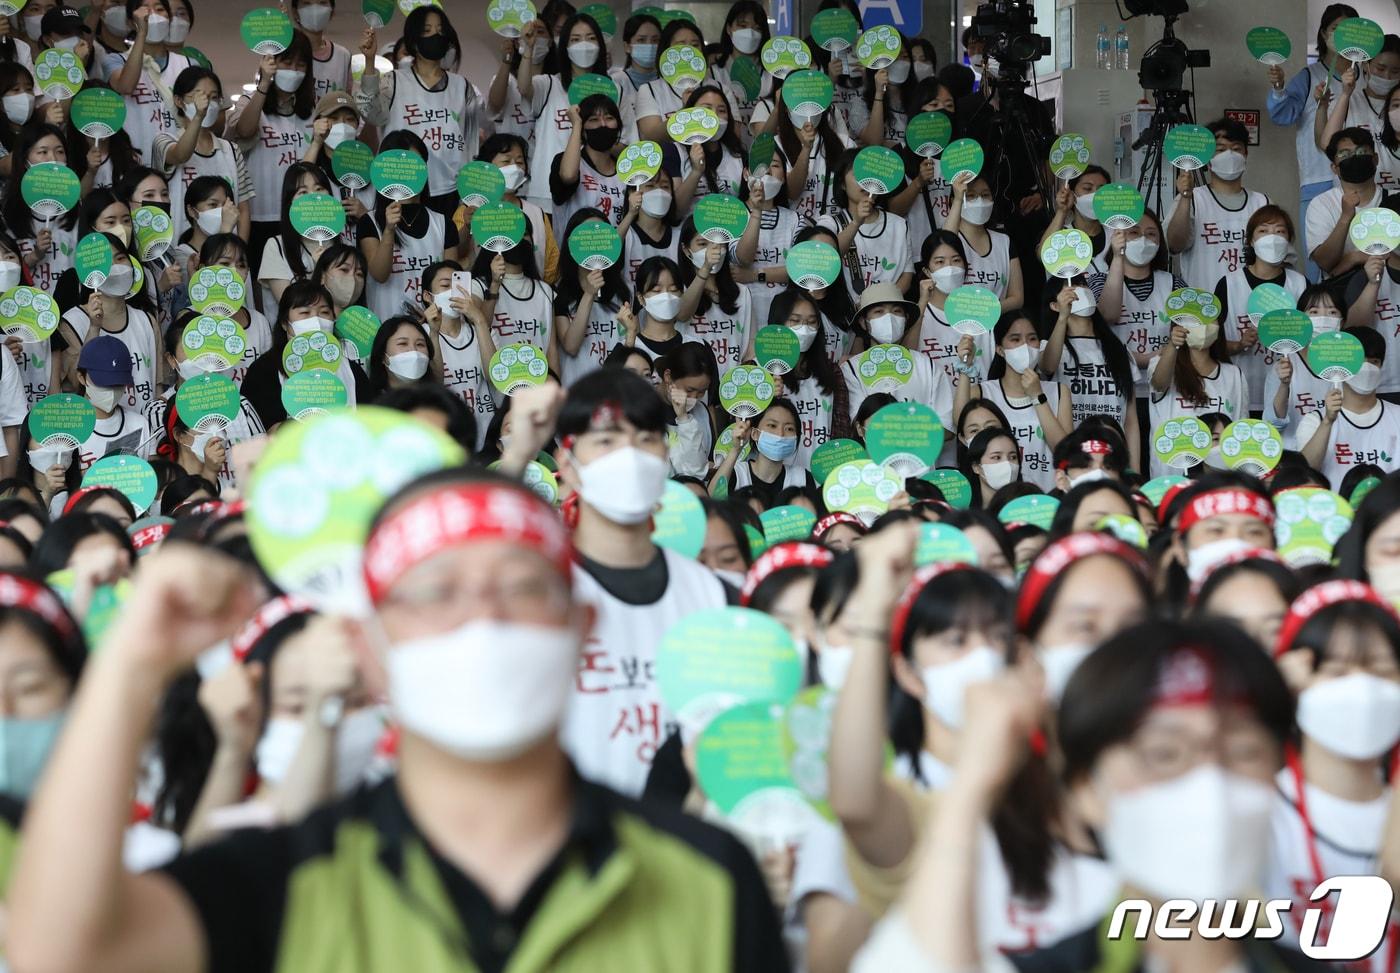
[(1171, 110), (1013, 125)]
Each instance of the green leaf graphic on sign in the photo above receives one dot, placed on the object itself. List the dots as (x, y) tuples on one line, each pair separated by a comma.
[(215, 344), (217, 290), (884, 368), (153, 230), (682, 67), (808, 92), (1268, 297), (834, 453), (314, 350), (29, 314)]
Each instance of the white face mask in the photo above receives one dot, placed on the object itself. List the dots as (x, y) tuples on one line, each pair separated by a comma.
[(514, 176), (1088, 476), (999, 474), (662, 306), (1385, 578), (582, 54), (486, 691), (288, 80), (1140, 251), (697, 257), (1324, 323), (538, 53), (1084, 302), (898, 72), (66, 43), (624, 485), (314, 16), (188, 369), (833, 662), (1367, 380), (1022, 358), (1355, 716), (1228, 165), (118, 282), (210, 221), (9, 275), (443, 300), (1379, 86), (1203, 835), (40, 460), (1202, 337), (211, 113), (33, 26), (179, 31), (19, 107), (1394, 116), (1059, 663), (1084, 205), (806, 334), (887, 328), (114, 19), (1271, 248), (977, 211), (735, 579), (948, 279), (656, 202), (102, 399), (157, 28), (746, 40), (799, 120), (340, 132), (946, 684), (311, 325), (771, 186), (1200, 560), (410, 365), (342, 288), (923, 70)]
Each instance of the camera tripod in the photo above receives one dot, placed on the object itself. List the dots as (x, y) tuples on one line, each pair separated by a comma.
[(1171, 110)]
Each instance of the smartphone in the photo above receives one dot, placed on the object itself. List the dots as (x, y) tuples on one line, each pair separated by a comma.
[(461, 283)]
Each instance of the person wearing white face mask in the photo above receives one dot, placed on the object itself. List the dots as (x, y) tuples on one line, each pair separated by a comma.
[(657, 100), (584, 174), (884, 94), (641, 35), (992, 460), (714, 309), (106, 311), (652, 322), (1337, 648), (148, 112), (769, 234), (462, 334), (1354, 424), (330, 64), (718, 165), (646, 227), (883, 317), (814, 386), (403, 354), (1291, 389), (1206, 223), (1365, 94), (745, 31), (104, 374), (198, 151), (1074, 208), (1352, 152), (62, 29), (338, 121), (111, 28), (943, 270), (1372, 298), (1133, 293), (511, 154), (587, 303), (990, 260), (684, 387), (1190, 376)]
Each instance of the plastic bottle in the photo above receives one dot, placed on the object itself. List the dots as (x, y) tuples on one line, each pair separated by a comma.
[(1101, 48), (1121, 49)]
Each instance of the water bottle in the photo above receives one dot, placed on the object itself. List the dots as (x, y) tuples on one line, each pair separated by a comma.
[(1121, 48), (1101, 48)]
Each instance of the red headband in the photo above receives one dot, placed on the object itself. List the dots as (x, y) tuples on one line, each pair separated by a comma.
[(820, 528), (1231, 500), (149, 536), (794, 554), (78, 494), (1325, 595), (1167, 499), (267, 616), (455, 515), (1187, 678), (1095, 447), (917, 583), (1238, 557), (28, 595), (1057, 558)]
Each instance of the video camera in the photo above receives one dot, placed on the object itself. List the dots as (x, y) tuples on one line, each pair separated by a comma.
[(1164, 64), (1007, 28)]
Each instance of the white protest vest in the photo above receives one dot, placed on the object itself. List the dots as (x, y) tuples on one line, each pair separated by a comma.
[(140, 340), (636, 250), (1387, 324), (1256, 360), (245, 425), (1387, 168), (882, 249), (616, 720), (815, 198), (222, 163), (524, 312), (464, 374), (1351, 443), (259, 333), (930, 209), (36, 370), (1225, 392), (793, 475), (412, 256), (1092, 390), (838, 339), (147, 114), (332, 74), (603, 333), (549, 106), (727, 334), (729, 176), (1367, 111), (606, 194), (1037, 466), (1140, 325), (992, 269), (814, 408), (56, 259), (939, 342), (442, 119), (926, 385), (121, 432), (1306, 393), (281, 141), (1218, 247)]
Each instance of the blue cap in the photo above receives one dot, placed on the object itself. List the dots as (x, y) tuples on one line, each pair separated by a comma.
[(106, 361)]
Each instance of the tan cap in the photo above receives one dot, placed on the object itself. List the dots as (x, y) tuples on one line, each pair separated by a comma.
[(335, 100), (885, 293)]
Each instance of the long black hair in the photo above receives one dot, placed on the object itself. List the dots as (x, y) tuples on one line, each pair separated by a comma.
[(292, 241), (725, 284), (568, 291), (716, 148), (835, 303), (18, 216), (563, 66), (401, 138), (1115, 355), (120, 152), (814, 362), (1380, 505)]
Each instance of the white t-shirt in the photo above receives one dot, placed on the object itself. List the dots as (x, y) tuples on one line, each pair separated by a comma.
[(464, 374), (727, 333), (882, 247), (1037, 458), (1092, 390), (603, 333), (939, 342), (524, 312), (1325, 211)]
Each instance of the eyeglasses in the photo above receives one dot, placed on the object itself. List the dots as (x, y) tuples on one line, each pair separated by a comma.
[(1345, 154)]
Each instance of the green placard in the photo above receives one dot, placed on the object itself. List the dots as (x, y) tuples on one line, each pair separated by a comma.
[(516, 367), (92, 259), (761, 153), (723, 656), (131, 476), (1285, 331), (480, 183), (9, 8), (197, 56), (720, 218), (878, 47), (1362, 490), (1118, 206), (776, 348), (1308, 523), (541, 480), (595, 245), (639, 163), (358, 326), (1190, 307), (59, 75), (808, 92), (266, 31), (217, 290), (509, 17), (745, 391), (666, 16), (834, 29), (315, 489), (1268, 45), (679, 524), (806, 739), (1189, 146), (954, 486), (1127, 529), (787, 523), (725, 443), (98, 113), (398, 173), (943, 544), (351, 164), (972, 310), (691, 126), (591, 84), (813, 265), (682, 67), (407, 7), (1037, 510), (745, 72), (1335, 356), (963, 155), (1375, 231), (906, 437), (50, 189), (928, 133), (1181, 443), (28, 313), (377, 13), (317, 216), (1067, 253), (742, 768), (1069, 155), (498, 227), (783, 55), (61, 421), (1358, 39), (884, 368), (1156, 488), (313, 392), (308, 351), (1251, 445), (215, 344), (208, 403), (834, 453), (862, 487), (1266, 298), (878, 170), (603, 16), (153, 230)]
